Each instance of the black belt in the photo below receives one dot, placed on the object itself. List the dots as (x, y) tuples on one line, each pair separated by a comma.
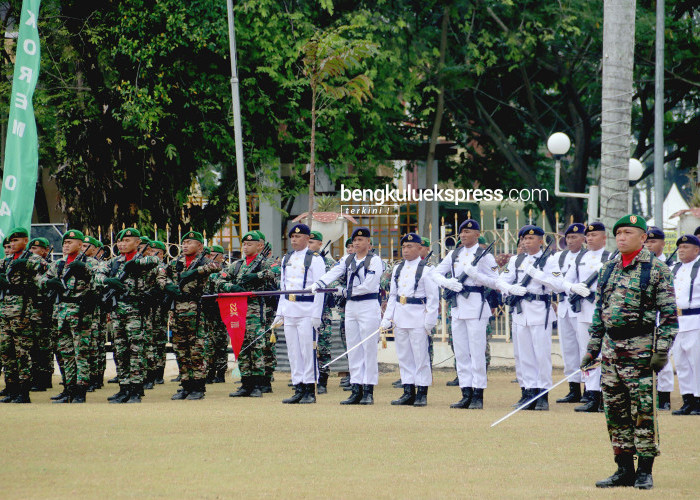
[(411, 300), (629, 332), (533, 296), (367, 296), (689, 312), (300, 298), (472, 289)]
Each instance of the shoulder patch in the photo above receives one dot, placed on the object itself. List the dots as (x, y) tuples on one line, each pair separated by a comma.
[(556, 273), (505, 270), (494, 268)]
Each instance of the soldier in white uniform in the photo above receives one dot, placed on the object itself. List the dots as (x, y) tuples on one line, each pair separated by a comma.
[(533, 315), (656, 240), (568, 339), (686, 346), (582, 280), (301, 314), (362, 313), (413, 309)]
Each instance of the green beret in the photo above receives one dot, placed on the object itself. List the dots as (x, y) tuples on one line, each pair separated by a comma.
[(251, 236), (93, 241), (425, 242), (6, 241), (348, 242), (73, 234), (158, 244), (19, 232), (260, 233), (630, 220), (193, 235), (129, 232), (316, 235), (39, 242), (482, 240), (217, 249)]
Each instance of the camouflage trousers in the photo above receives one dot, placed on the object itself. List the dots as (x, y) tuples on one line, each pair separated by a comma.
[(98, 357), (270, 350), (252, 361), (16, 340), (188, 341), (216, 346), (43, 347), (323, 344), (626, 383), (73, 334), (129, 342)]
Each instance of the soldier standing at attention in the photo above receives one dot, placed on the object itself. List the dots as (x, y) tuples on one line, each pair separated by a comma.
[(160, 315), (217, 336), (632, 289), (42, 352)]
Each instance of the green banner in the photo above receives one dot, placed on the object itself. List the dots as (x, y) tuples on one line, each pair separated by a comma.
[(22, 148)]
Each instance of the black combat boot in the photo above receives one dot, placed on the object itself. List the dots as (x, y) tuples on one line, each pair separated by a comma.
[(368, 395), (184, 392), (585, 397), (12, 390), (198, 389), (623, 476), (266, 387), (123, 390), (696, 409), (67, 395), (114, 380), (453, 383), (177, 379), (220, 377), (574, 395), (643, 481), (408, 396), (529, 394), (345, 381), (664, 401), (593, 403), (91, 385), (149, 382), (467, 394), (37, 381), (79, 392), (135, 393), (159, 376), (477, 402), (322, 383), (523, 398), (355, 397), (211, 373), (542, 403), (256, 381), (296, 397), (421, 396), (23, 393), (244, 390), (688, 405), (396, 384), (60, 395), (309, 395)]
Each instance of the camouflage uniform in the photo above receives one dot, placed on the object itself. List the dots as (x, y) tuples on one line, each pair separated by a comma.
[(159, 319), (188, 322), (153, 299), (323, 347), (624, 330), (217, 340), (17, 328), (270, 349), (42, 351)]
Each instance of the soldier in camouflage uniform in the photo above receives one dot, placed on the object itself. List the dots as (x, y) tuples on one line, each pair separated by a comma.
[(270, 349), (42, 351), (632, 289), (94, 250), (217, 336), (184, 279), (250, 273), (17, 329), (129, 278), (324, 336), (159, 318), (152, 296), (3, 265)]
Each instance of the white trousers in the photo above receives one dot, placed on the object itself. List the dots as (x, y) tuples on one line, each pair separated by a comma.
[(686, 356), (568, 344), (469, 341), (298, 333), (414, 360), (592, 378), (516, 354), (664, 379), (535, 352), (362, 319)]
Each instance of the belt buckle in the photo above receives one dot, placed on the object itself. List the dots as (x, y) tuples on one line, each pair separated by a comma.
[(292, 297), (680, 312), (402, 300)]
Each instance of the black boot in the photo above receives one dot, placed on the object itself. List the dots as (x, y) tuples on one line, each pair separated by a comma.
[(421, 396), (664, 401), (523, 398), (368, 395), (79, 392), (135, 393), (91, 385), (184, 392), (159, 376), (309, 395), (542, 403), (220, 376), (477, 402), (643, 481), (688, 405), (623, 476), (593, 403), (177, 379), (585, 397), (696, 410), (408, 397), (58, 396), (198, 389), (114, 380), (345, 381), (453, 383), (12, 391), (123, 390), (38, 382), (467, 394), (256, 382), (23, 393), (355, 397), (322, 383), (574, 395), (396, 384), (67, 395), (149, 382), (244, 390), (296, 397), (266, 387)]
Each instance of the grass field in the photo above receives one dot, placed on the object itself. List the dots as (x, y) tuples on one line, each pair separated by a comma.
[(259, 448)]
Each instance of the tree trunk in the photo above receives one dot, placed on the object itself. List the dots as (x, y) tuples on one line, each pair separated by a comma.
[(618, 63), (312, 157)]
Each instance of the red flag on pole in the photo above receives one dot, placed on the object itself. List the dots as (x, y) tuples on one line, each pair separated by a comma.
[(234, 309)]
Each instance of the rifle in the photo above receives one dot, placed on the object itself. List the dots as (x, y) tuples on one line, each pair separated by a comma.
[(451, 295), (110, 295), (53, 295), (669, 261), (575, 299), (257, 262), (513, 300), (24, 255), (323, 250)]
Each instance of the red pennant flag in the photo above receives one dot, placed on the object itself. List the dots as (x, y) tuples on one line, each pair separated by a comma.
[(234, 308)]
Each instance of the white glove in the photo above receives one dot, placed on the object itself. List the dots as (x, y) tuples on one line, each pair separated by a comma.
[(428, 328), (535, 274), (580, 289), (471, 271), (526, 268), (517, 290), (453, 284), (314, 287), (385, 324), (316, 323), (279, 321)]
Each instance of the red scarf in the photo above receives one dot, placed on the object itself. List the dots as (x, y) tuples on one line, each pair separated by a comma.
[(129, 256), (249, 259), (628, 257), (71, 258), (188, 260)]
